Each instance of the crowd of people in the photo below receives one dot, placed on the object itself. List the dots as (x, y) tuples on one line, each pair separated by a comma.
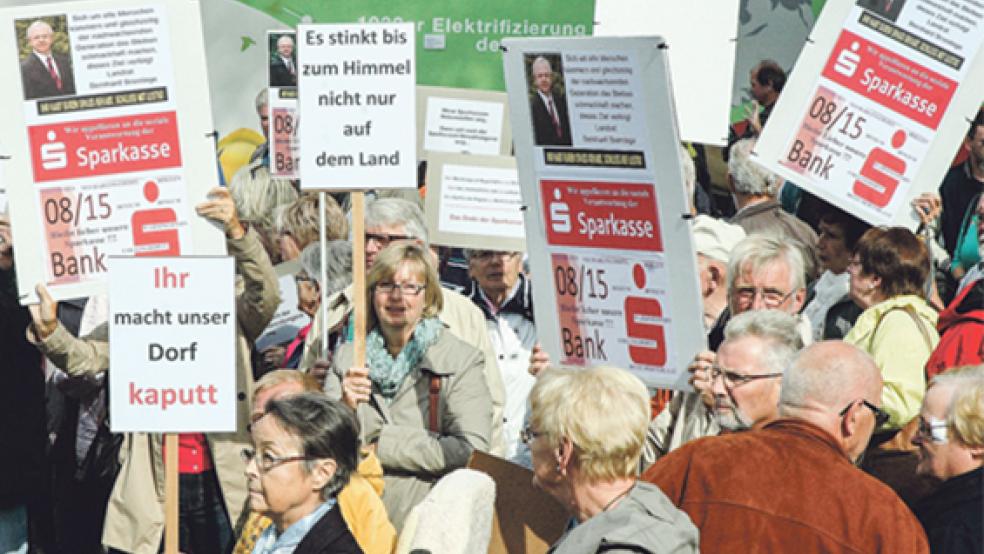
[(839, 406)]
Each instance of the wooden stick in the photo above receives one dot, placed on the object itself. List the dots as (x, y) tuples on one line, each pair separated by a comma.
[(359, 278), (171, 493)]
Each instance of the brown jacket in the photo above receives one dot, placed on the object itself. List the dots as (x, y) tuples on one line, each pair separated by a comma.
[(786, 488), (135, 515)]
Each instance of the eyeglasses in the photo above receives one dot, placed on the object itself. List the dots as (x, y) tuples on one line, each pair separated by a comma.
[(489, 255), (934, 430), (408, 289), (881, 416), (528, 434), (771, 298), (734, 379), (383, 240), (268, 461)]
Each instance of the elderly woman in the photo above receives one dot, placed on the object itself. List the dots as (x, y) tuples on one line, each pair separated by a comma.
[(951, 449), (298, 224), (305, 449), (898, 329), (586, 455), (422, 403)]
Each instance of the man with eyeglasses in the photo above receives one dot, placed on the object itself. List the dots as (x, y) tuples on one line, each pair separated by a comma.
[(951, 450), (793, 486), (388, 220), (505, 297)]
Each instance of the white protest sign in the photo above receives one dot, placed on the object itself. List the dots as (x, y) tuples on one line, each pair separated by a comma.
[(282, 120), (700, 36), (172, 345), (357, 85), (878, 104), (109, 158), (474, 202), (287, 320), (462, 121), (616, 270)]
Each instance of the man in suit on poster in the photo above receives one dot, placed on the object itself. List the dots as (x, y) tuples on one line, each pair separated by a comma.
[(44, 73), (283, 67), (551, 126), (889, 9)]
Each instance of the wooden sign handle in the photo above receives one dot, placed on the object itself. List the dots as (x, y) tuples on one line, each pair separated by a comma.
[(359, 277), (171, 493)]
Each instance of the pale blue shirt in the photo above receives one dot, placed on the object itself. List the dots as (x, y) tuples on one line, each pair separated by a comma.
[(270, 543)]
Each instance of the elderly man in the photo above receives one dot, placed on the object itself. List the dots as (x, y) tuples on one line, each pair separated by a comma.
[(393, 219), (505, 297), (951, 449), (210, 465), (755, 190), (283, 66), (548, 108), (43, 72), (792, 486)]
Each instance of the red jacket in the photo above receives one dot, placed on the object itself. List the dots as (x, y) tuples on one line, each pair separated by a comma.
[(786, 488), (961, 327)]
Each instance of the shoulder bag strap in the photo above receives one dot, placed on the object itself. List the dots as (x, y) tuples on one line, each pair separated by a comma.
[(434, 398)]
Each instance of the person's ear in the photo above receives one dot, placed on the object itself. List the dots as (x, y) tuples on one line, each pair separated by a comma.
[(799, 297), (717, 275), (322, 472), (976, 452), (563, 454)]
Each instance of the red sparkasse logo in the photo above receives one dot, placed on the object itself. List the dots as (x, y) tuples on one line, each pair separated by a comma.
[(889, 79), (77, 149), (601, 215)]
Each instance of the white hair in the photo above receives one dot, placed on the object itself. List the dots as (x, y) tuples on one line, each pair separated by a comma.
[(757, 251), (689, 174), (37, 24), (396, 211), (283, 38), (749, 177), (777, 328), (540, 60), (338, 272)]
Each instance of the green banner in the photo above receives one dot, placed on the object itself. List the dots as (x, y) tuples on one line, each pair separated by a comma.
[(457, 41)]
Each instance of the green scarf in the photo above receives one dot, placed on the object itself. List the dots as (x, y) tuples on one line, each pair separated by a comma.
[(388, 372)]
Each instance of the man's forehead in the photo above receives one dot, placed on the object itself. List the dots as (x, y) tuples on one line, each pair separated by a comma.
[(742, 354), (771, 274), (388, 229)]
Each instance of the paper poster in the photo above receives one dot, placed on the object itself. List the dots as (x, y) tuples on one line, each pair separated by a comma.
[(109, 141), (283, 118), (598, 155), (474, 202), (287, 320), (878, 104), (462, 121), (357, 88), (172, 349), (700, 55)]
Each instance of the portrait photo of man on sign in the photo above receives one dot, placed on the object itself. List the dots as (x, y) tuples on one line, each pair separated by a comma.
[(46, 60), (283, 60), (548, 103)]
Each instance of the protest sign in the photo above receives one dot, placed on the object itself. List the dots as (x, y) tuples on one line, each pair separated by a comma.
[(287, 320), (474, 202), (282, 114), (701, 40), (878, 104), (357, 85), (462, 121), (172, 343), (598, 155), (118, 146)]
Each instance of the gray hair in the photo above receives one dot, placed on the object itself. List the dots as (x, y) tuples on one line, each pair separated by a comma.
[(540, 60), (262, 99), (258, 201), (338, 272), (282, 39), (829, 373), (759, 250), (325, 429), (37, 23), (396, 211), (749, 177), (777, 328), (689, 174)]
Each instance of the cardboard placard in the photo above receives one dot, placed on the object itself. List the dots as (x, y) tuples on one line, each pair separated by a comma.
[(462, 121), (287, 320), (118, 147), (474, 202), (283, 120), (172, 332)]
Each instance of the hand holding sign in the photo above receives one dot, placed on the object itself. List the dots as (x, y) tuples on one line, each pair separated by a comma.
[(6, 245), (222, 209), (356, 387), (700, 378), (44, 314)]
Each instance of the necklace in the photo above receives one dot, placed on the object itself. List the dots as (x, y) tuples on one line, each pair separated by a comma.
[(618, 497)]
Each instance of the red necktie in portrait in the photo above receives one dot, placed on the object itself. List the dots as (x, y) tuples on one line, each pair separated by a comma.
[(54, 74), (553, 116)]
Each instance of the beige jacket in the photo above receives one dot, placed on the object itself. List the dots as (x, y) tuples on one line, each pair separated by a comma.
[(135, 514), (684, 419), (413, 458), (463, 319)]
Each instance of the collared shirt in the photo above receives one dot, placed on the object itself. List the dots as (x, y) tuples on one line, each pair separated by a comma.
[(285, 543), (44, 61)]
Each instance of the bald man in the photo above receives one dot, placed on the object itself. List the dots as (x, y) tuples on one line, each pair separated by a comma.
[(44, 73), (793, 485)]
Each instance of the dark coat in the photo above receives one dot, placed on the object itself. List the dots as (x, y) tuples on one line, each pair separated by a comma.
[(38, 82), (953, 516), (330, 535), (543, 127), (280, 76)]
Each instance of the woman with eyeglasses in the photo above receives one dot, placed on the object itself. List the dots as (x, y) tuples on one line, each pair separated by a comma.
[(586, 455), (897, 328), (422, 402), (951, 450), (305, 448)]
